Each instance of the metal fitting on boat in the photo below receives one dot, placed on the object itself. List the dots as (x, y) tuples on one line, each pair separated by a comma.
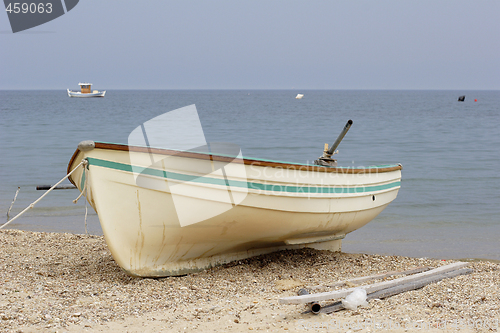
[(326, 159)]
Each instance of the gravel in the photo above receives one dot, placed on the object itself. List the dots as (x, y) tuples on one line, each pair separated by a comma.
[(67, 282)]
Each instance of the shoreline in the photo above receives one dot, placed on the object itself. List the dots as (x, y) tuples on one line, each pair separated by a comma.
[(372, 252), (69, 282)]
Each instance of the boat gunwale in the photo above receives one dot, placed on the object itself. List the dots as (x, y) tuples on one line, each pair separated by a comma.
[(246, 161)]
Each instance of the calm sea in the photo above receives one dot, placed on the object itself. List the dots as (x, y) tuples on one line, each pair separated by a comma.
[(448, 206)]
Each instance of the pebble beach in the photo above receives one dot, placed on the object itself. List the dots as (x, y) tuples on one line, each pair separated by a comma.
[(61, 282)]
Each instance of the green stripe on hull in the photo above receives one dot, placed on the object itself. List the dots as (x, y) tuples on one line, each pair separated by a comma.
[(235, 183), (82, 182), (331, 189)]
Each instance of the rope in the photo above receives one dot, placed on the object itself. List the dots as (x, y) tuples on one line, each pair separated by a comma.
[(84, 186), (86, 232), (84, 162), (85, 191), (86, 197)]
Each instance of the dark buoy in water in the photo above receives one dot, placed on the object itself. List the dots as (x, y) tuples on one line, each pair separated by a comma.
[(461, 98)]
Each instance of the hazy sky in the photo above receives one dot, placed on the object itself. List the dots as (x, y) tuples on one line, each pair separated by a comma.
[(254, 44)]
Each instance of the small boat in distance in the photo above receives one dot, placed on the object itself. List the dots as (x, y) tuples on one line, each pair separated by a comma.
[(299, 96), (85, 91)]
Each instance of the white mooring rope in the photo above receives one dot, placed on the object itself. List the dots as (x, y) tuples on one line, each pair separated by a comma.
[(85, 190), (84, 185), (84, 162)]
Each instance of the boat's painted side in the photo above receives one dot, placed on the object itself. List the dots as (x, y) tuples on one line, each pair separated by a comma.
[(170, 218), (72, 93)]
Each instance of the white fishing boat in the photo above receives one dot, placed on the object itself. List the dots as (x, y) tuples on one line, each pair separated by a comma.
[(168, 212), (86, 91), (299, 96)]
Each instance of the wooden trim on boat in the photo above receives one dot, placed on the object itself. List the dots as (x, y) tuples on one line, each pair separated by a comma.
[(246, 161), (68, 170)]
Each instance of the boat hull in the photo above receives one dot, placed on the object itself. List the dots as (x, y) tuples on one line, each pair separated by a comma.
[(85, 95), (174, 219)]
